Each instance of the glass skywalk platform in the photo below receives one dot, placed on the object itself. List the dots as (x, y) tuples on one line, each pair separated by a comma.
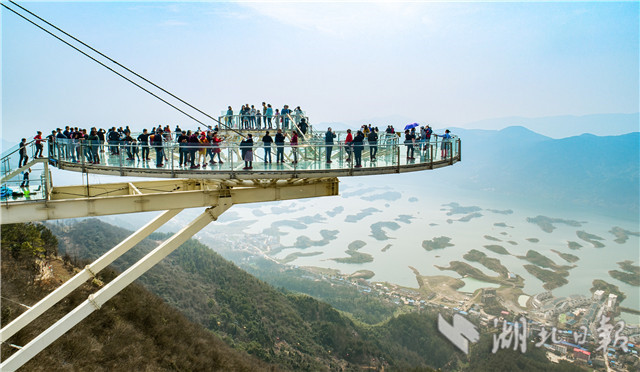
[(125, 159)]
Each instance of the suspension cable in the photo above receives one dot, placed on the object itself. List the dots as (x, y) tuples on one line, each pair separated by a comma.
[(117, 63)]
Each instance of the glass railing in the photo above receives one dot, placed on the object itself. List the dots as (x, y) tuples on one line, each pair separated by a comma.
[(311, 154), (12, 159)]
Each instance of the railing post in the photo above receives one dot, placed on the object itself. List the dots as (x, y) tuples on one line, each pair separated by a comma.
[(397, 146), (171, 160), (119, 148), (431, 156)]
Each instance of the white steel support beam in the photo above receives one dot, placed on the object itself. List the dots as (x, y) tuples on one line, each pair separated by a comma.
[(87, 273), (109, 199), (95, 301)]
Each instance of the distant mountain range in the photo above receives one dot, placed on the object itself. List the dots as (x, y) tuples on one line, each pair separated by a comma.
[(585, 171), (567, 125), (550, 126)]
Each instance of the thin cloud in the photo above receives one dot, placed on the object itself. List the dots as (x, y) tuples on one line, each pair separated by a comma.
[(173, 23)]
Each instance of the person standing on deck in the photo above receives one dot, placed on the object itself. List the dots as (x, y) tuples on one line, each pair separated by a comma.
[(357, 148), (23, 153), (328, 141), (157, 145), (409, 139), (294, 146), (39, 146), (279, 141), (268, 115), (193, 149), (348, 144), (25, 178), (229, 117), (215, 142), (246, 148), (264, 114), (267, 141), (372, 138), (143, 139)]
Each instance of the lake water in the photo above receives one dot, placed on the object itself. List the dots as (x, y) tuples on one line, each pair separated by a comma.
[(471, 285), (428, 218)]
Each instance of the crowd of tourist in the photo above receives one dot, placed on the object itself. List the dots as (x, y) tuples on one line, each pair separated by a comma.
[(266, 118), (201, 148)]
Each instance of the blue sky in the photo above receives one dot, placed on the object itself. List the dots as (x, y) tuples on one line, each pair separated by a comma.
[(443, 63)]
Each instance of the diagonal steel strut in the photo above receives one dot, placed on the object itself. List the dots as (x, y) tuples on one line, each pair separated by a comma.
[(96, 300)]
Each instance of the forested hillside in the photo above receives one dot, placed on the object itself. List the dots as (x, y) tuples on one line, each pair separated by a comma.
[(134, 331)]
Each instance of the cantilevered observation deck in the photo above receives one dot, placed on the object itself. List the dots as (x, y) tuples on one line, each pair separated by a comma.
[(216, 187)]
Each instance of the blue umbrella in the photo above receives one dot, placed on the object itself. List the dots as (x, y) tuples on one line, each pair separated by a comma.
[(409, 126)]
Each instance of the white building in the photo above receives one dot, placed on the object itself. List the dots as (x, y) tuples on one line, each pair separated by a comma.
[(611, 301), (597, 295)]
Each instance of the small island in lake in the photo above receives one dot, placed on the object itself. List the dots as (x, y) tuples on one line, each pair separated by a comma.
[(360, 215), (294, 256), (551, 279), (533, 240), (355, 257), (566, 256), (608, 288), (497, 249), (547, 223), (489, 237), (630, 275), (494, 264), (543, 261), (464, 269), (306, 242), (590, 238), (621, 234), (437, 243), (506, 211), (574, 245), (455, 208), (362, 274), (335, 211), (377, 229)]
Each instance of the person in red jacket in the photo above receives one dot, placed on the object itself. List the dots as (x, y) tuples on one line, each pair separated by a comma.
[(348, 144), (39, 146)]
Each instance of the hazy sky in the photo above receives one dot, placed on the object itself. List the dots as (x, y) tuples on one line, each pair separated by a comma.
[(445, 63)]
